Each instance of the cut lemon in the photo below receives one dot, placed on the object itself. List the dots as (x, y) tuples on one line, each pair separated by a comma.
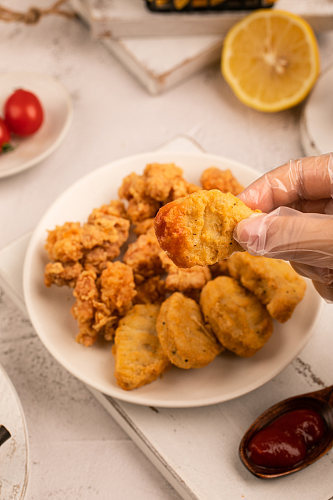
[(271, 60)]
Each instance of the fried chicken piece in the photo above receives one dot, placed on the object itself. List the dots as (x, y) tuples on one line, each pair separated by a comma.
[(139, 357), (115, 208), (150, 291), (237, 317), (60, 274), (184, 337), (181, 279), (64, 243), (198, 229), (97, 258), (215, 178), (273, 281), (117, 287), (219, 269), (143, 227), (83, 310), (140, 205), (102, 229), (143, 256), (161, 180)]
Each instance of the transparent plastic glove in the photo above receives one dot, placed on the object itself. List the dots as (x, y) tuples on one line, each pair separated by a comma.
[(303, 236)]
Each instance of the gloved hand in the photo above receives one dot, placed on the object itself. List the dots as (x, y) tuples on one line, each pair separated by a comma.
[(301, 228)]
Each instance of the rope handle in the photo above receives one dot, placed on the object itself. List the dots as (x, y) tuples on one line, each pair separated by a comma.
[(34, 14)]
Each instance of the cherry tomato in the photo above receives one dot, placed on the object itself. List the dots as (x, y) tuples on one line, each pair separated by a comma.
[(4, 137), (23, 113)]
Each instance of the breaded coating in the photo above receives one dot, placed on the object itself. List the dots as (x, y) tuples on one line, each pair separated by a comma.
[(237, 317), (219, 269), (64, 243), (97, 258), (83, 310), (117, 287), (184, 280), (184, 337), (273, 281), (106, 229), (215, 178), (161, 179), (143, 256), (198, 229), (150, 291), (139, 357), (143, 226), (140, 205), (60, 274), (115, 208)]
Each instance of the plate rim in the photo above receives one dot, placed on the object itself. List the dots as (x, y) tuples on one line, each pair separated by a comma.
[(69, 116), (19, 406), (131, 396)]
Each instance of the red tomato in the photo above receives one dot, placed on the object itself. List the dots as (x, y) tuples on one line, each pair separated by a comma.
[(4, 137), (23, 113)]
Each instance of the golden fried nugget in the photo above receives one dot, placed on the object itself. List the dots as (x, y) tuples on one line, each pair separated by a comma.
[(117, 287), (150, 291), (143, 255), (237, 317), (161, 179), (83, 310), (273, 281), (143, 226), (184, 337), (184, 280), (198, 229), (57, 273), (139, 357), (64, 242), (140, 205), (215, 178), (219, 269)]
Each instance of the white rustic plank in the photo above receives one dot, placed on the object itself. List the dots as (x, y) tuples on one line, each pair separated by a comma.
[(131, 18)]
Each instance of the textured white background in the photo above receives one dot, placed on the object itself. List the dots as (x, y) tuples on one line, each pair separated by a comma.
[(77, 451)]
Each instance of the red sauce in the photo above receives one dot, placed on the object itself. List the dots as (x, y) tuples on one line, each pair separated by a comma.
[(287, 440)]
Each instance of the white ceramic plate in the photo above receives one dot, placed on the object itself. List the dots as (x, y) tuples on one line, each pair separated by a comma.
[(226, 378), (317, 117), (14, 452), (55, 99)]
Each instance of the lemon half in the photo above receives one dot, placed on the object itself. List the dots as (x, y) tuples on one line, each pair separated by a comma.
[(271, 60)]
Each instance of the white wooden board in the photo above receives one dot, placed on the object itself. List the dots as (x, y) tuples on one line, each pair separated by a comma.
[(158, 63), (131, 18), (197, 449)]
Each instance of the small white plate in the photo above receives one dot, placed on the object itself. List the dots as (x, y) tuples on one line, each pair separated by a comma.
[(317, 117), (49, 309), (56, 101), (14, 452)]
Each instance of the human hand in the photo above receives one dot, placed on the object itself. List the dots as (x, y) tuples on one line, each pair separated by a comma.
[(298, 223)]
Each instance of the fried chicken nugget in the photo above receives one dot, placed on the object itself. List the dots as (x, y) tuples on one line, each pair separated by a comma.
[(117, 287), (273, 281), (139, 357), (143, 255), (64, 243), (184, 337), (215, 178), (140, 205), (237, 317), (57, 273), (183, 280), (198, 229)]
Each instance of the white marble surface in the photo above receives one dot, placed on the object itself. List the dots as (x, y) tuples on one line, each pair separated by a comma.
[(76, 450)]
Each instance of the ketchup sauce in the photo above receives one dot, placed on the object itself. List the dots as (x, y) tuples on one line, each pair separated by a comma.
[(286, 441)]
